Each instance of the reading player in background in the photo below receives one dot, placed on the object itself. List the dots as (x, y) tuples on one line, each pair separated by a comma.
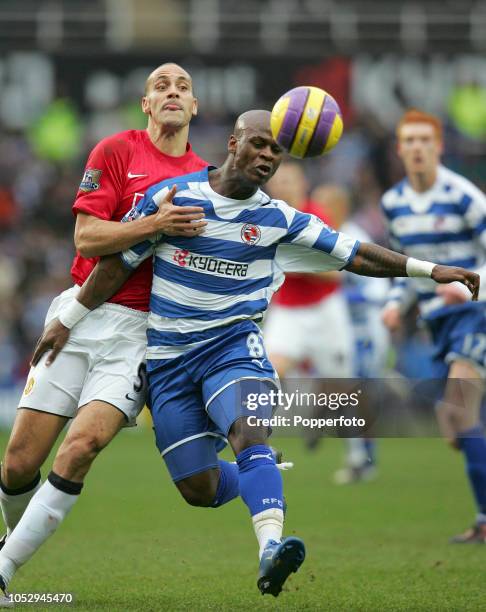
[(308, 320), (365, 297), (98, 379), (205, 353), (438, 214)]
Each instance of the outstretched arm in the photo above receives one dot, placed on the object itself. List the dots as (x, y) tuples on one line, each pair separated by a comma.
[(373, 260), (331, 250)]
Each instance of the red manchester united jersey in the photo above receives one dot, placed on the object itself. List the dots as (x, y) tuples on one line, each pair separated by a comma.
[(118, 172), (306, 289)]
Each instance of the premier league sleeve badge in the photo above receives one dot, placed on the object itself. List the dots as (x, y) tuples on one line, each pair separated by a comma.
[(91, 180)]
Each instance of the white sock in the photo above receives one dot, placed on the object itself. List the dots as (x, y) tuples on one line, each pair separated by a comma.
[(45, 512), (13, 506), (357, 455), (268, 526)]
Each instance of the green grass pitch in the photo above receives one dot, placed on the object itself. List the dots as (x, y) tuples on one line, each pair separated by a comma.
[(131, 543)]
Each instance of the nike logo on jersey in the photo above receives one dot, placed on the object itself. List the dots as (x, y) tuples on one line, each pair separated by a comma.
[(131, 175), (130, 398)]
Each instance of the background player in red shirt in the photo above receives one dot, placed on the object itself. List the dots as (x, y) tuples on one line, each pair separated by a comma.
[(308, 319), (98, 378)]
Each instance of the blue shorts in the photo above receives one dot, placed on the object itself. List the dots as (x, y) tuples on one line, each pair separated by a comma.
[(195, 398), (459, 332)]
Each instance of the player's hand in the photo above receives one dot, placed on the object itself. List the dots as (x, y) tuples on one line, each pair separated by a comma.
[(53, 338), (454, 293), (392, 318), (450, 274), (178, 220)]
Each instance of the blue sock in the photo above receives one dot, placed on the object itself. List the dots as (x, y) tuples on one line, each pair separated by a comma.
[(473, 445), (228, 485), (260, 481), (370, 446)]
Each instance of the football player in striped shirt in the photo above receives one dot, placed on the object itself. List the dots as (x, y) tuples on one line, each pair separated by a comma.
[(207, 365), (438, 214)]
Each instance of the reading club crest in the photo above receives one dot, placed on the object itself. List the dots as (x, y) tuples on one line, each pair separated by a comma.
[(180, 256), (250, 234)]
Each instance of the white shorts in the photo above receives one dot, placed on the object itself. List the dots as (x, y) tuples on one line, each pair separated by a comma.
[(321, 333), (104, 360)]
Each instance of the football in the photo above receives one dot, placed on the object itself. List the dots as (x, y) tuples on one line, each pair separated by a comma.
[(306, 122)]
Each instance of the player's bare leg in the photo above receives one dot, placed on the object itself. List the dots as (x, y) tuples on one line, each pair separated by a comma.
[(460, 407), (461, 423), (93, 428), (33, 436), (200, 489), (465, 397)]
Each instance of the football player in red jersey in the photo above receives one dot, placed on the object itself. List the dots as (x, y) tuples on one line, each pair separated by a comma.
[(99, 380), (294, 330)]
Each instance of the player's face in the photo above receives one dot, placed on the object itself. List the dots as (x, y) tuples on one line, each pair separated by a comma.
[(169, 99), (419, 147), (257, 155)]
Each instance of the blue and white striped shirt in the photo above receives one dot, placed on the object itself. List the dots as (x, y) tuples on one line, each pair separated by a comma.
[(203, 284), (446, 225)]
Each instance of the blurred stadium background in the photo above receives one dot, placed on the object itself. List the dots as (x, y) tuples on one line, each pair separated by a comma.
[(72, 72)]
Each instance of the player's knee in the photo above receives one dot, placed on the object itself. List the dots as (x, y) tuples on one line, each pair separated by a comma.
[(242, 435), (80, 449), (197, 498), (199, 490), (247, 441), (18, 468)]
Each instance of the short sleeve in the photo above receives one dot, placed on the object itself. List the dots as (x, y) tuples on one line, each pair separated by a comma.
[(334, 250), (101, 187)]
